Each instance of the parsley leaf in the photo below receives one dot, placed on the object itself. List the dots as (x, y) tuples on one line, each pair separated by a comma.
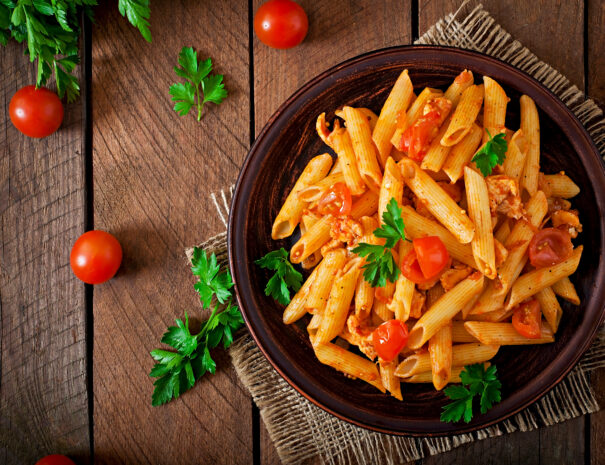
[(211, 282), (137, 12), (479, 381), (187, 95), (177, 371), (285, 276), (380, 265), (491, 154)]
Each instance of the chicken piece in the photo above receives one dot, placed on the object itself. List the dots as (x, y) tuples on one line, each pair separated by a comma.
[(504, 198), (568, 221), (418, 301), (330, 245), (501, 252), (346, 229), (557, 203), (454, 275), (358, 332)]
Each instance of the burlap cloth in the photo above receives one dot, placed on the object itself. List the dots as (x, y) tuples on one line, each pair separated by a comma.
[(300, 430)]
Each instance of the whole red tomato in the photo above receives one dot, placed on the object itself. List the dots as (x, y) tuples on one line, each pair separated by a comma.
[(36, 112), (55, 459), (96, 257), (281, 23)]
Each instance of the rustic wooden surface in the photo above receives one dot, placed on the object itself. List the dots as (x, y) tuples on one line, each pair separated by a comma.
[(150, 176)]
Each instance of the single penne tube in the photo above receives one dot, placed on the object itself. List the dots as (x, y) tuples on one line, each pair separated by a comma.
[(462, 82), (417, 226), (494, 108), (533, 282), (382, 297), (434, 294), (342, 145), (315, 191), (296, 308), (326, 271), (464, 116), (479, 212), (550, 307), (530, 125), (437, 201), (440, 352), (502, 232), (436, 154), (391, 187), (564, 288), (314, 323), (442, 312), (505, 334), (319, 233), (471, 303), (309, 219), (427, 376), (337, 307), (461, 154), (401, 304), (398, 101), (495, 316), (391, 382), (369, 114), (406, 119), (363, 146), (515, 156), (561, 185), (348, 363), (291, 211), (460, 334), (462, 354), (364, 297)]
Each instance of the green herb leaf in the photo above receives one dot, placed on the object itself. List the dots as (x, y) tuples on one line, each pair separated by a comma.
[(393, 228), (491, 154), (137, 12), (285, 276), (211, 282)]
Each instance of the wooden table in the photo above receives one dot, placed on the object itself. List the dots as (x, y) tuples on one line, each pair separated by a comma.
[(74, 360)]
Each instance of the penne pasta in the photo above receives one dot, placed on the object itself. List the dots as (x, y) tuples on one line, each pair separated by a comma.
[(404, 120), (550, 307), (460, 334), (391, 382), (314, 192), (461, 154), (364, 297), (401, 304), (342, 145), (515, 156), (464, 116), (291, 211), (561, 185), (436, 154), (427, 376), (391, 187), (530, 126), (326, 271), (565, 289), (363, 146), (309, 219), (296, 308), (440, 352), (505, 334), (494, 108), (462, 82)]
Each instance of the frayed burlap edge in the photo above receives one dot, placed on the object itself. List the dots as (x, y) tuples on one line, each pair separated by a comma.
[(302, 431)]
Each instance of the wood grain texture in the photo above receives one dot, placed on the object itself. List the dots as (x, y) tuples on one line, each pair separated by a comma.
[(536, 24), (43, 398), (337, 31), (153, 173)]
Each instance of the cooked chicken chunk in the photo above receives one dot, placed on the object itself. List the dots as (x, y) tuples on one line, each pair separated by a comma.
[(504, 198)]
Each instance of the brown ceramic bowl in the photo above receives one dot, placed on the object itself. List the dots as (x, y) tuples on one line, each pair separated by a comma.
[(278, 156)]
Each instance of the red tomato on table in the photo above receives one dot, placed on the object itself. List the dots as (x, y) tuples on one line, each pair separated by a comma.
[(336, 200), (281, 23), (550, 246), (55, 459), (36, 112), (426, 261), (389, 338), (527, 319), (96, 257)]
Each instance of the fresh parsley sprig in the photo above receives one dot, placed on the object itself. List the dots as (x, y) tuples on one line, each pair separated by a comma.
[(380, 265), (491, 154), (201, 86), (479, 381), (285, 276), (178, 371), (51, 30)]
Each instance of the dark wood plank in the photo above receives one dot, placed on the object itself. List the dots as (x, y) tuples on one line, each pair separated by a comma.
[(530, 23), (43, 398), (536, 24), (153, 172), (337, 31)]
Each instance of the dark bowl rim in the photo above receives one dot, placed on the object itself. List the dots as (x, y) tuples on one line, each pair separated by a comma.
[(534, 389)]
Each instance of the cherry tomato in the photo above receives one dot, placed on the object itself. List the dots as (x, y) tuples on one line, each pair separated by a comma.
[(55, 459), (281, 23), (389, 338), (36, 112), (417, 138), (410, 268), (336, 200), (550, 246), (431, 254), (96, 257), (527, 319)]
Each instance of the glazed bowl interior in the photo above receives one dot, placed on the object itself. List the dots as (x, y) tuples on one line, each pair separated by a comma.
[(279, 155)]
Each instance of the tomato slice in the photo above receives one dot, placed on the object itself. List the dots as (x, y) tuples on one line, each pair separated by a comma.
[(336, 200), (432, 255), (550, 246), (527, 319), (410, 268), (417, 138), (389, 338)]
